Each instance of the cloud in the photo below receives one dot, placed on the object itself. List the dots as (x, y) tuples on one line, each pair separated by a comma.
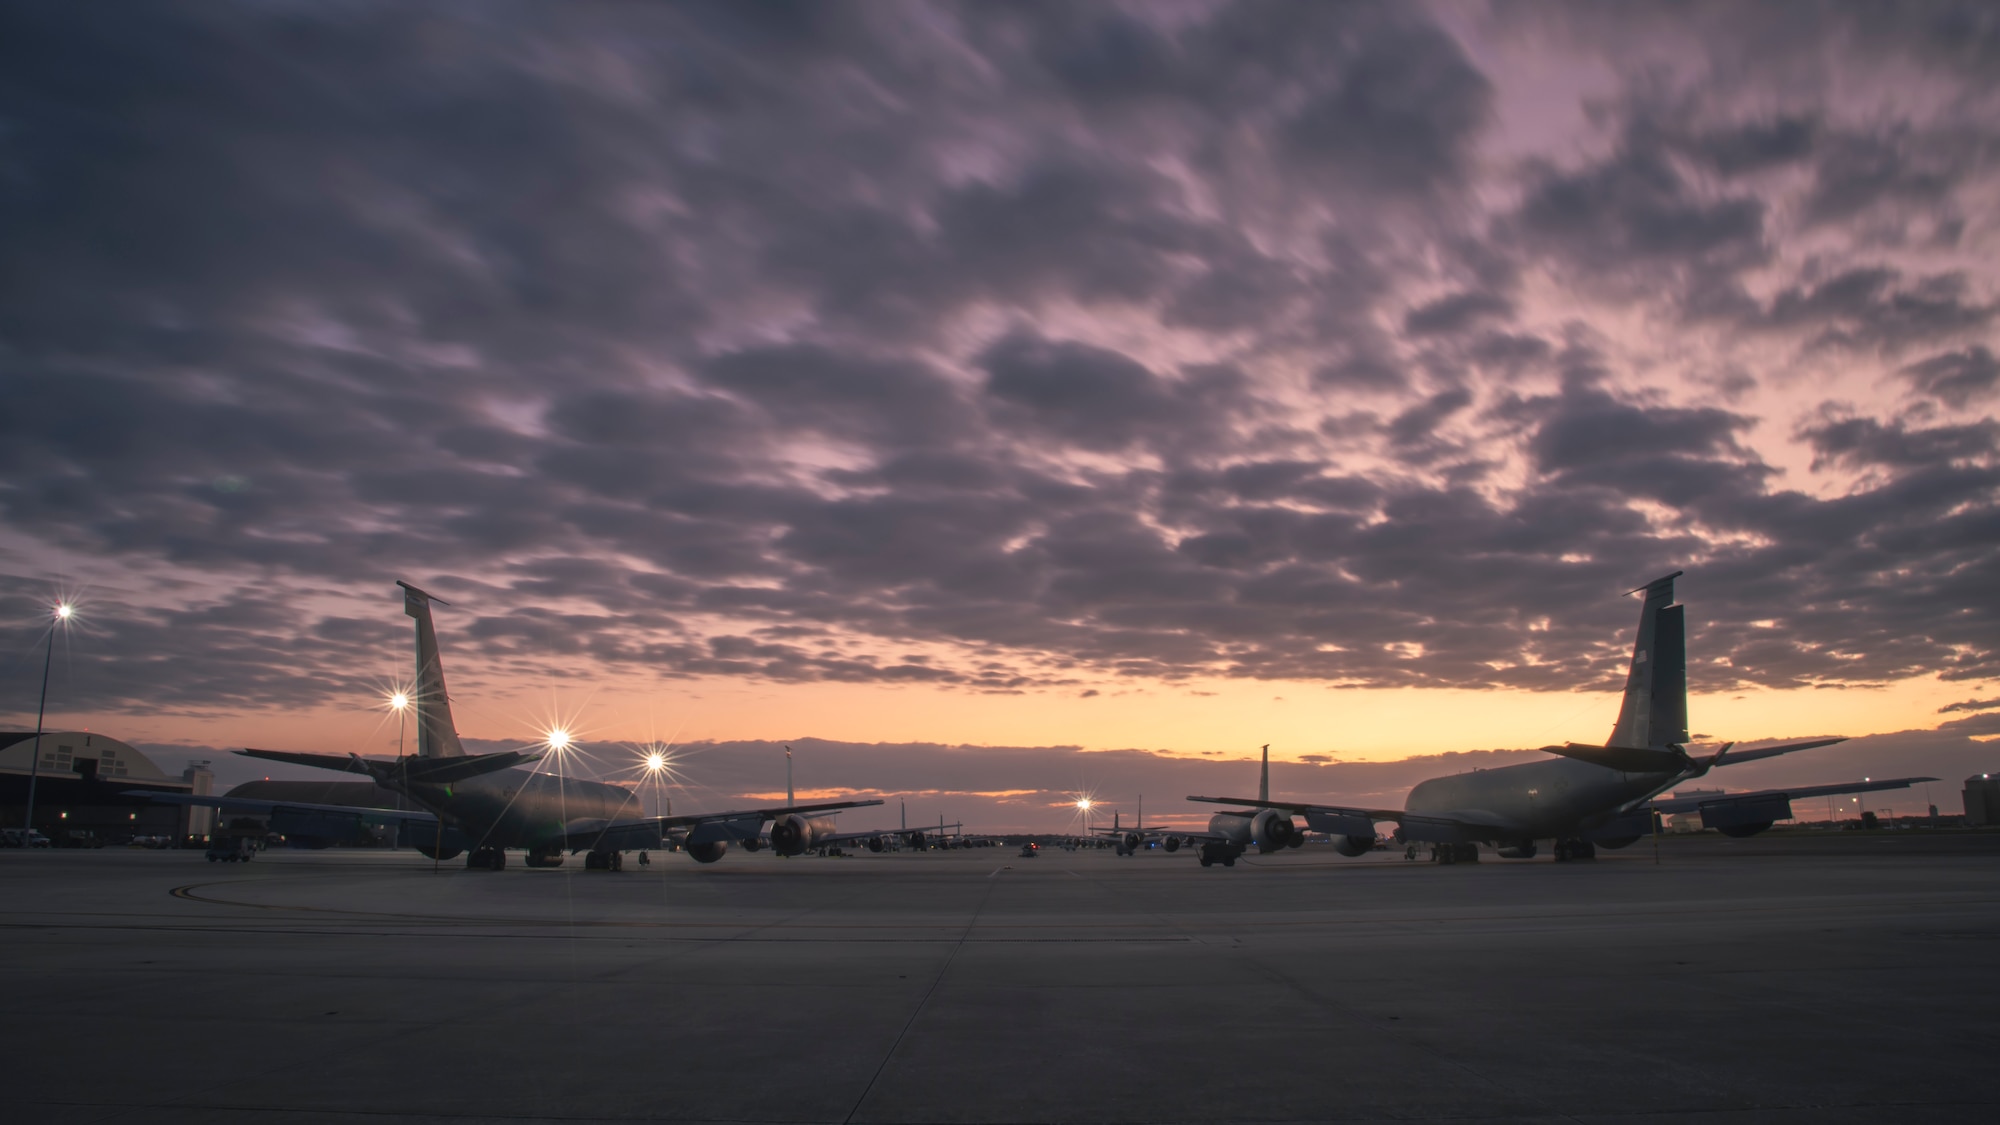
[(1955, 378), (995, 347)]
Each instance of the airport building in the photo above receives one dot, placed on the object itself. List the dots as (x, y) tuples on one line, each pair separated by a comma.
[(81, 784), (1982, 800)]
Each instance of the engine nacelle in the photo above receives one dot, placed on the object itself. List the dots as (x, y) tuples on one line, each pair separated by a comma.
[(1271, 830), (875, 844), (1354, 845), (708, 852), (1523, 849), (914, 841), (1133, 841), (794, 834), (1744, 831), (1172, 843)]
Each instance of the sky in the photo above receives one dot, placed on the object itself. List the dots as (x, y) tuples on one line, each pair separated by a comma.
[(1162, 378)]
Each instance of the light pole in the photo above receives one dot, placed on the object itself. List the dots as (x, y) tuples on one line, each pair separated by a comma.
[(63, 610), (399, 702)]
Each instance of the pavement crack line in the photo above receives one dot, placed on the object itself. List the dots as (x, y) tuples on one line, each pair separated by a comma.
[(991, 881)]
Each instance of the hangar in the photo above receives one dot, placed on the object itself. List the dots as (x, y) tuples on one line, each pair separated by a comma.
[(80, 788)]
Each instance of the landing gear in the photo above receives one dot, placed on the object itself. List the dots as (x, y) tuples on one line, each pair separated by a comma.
[(549, 858), (1567, 850), (488, 859), (604, 861)]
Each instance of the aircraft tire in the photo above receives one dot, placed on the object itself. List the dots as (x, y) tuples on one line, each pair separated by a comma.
[(1229, 861), (499, 861), (1205, 859)]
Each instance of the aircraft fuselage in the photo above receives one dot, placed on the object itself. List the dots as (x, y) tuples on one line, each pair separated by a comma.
[(1550, 799), (516, 808)]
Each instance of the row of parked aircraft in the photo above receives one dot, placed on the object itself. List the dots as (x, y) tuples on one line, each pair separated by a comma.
[(1581, 797)]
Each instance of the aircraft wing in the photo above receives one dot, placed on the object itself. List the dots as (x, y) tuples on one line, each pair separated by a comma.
[(1347, 820), (1795, 793), (1335, 820), (246, 804), (636, 833)]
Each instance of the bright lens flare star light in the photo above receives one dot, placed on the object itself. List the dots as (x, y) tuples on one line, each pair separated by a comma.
[(63, 610), (399, 701), (655, 762), (558, 740)]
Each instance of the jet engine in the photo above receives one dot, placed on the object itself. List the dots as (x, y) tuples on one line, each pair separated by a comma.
[(875, 843), (1354, 845), (1172, 843), (1271, 830), (1520, 849), (1132, 841), (709, 851), (794, 834), (430, 852), (914, 841)]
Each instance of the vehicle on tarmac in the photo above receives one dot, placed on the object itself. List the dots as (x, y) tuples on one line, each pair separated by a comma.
[(1586, 796), (231, 849), (23, 838), (1030, 850)]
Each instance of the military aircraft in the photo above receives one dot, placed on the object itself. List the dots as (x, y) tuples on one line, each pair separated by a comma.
[(1262, 826), (488, 804), (1583, 797), (1131, 841)]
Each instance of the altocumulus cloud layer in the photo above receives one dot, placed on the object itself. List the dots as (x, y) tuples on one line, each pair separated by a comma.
[(1005, 346)]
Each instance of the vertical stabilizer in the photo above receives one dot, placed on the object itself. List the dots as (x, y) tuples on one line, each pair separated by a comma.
[(1654, 711), (437, 736), (789, 799), (1264, 778)]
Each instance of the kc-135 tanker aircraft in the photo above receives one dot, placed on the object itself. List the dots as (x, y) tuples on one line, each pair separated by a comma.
[(485, 802), (1584, 797)]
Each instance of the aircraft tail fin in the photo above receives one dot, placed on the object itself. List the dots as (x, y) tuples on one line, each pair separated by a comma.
[(1264, 777), (437, 735), (1654, 712)]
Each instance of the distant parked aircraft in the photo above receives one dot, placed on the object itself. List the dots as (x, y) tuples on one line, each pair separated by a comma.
[(485, 802), (1584, 797), (1132, 841)]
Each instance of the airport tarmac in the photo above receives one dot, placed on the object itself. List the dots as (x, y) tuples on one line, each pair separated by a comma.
[(1842, 979)]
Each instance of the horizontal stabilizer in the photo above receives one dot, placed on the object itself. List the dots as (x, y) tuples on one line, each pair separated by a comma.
[(433, 771), (1795, 793), (345, 763), (1737, 756), (437, 771), (1630, 759)]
